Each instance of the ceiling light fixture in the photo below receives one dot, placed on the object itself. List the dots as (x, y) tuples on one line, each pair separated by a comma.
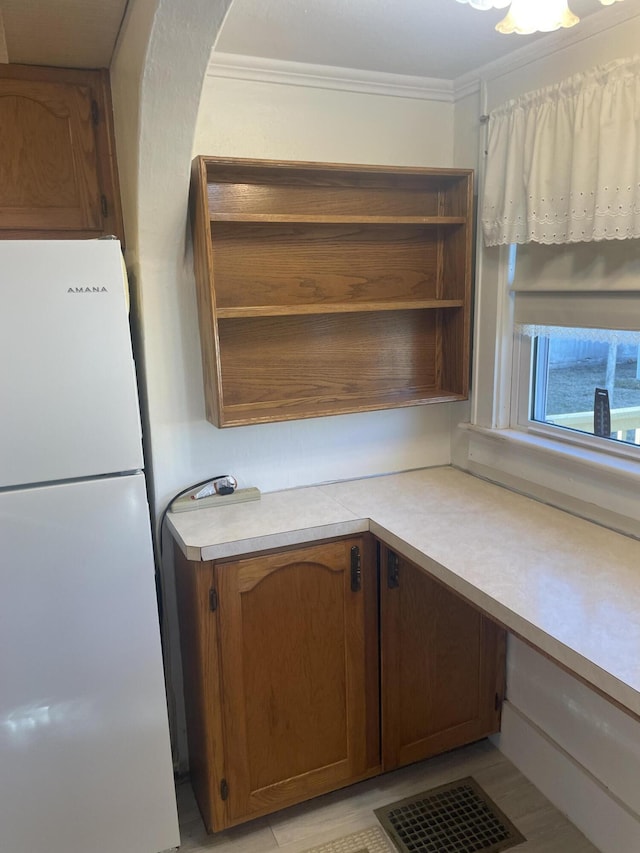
[(532, 16)]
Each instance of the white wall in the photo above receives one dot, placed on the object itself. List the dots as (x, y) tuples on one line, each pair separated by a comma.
[(575, 746), (248, 118), (156, 79)]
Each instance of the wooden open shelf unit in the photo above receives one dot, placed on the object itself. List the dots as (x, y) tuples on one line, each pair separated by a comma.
[(329, 288)]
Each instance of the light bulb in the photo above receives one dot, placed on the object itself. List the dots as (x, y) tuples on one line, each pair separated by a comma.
[(532, 16)]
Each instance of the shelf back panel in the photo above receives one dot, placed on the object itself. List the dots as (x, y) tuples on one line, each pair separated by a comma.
[(337, 356), (301, 264), (339, 192)]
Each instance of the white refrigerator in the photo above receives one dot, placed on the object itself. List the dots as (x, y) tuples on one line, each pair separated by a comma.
[(85, 759)]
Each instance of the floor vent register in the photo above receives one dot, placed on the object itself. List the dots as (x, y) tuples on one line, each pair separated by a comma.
[(455, 818)]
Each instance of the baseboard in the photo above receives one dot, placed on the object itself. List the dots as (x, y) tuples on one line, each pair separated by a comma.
[(604, 820)]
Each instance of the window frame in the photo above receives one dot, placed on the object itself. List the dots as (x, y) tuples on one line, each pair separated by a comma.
[(522, 377)]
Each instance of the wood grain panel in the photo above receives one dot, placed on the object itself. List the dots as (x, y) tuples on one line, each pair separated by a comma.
[(357, 184), (287, 410), (440, 669), (108, 177), (58, 172), (286, 705), (203, 265), (48, 166), (453, 364), (456, 261), (296, 309), (201, 678), (278, 265), (345, 200), (457, 200), (294, 674), (385, 352)]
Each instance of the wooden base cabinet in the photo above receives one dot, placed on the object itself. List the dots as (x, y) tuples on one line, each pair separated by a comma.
[(286, 667), (442, 666), (281, 676)]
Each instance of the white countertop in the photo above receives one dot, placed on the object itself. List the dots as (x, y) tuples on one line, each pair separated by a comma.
[(568, 586)]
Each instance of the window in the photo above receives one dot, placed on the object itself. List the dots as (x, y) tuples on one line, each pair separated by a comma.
[(560, 179), (577, 351), (586, 381)]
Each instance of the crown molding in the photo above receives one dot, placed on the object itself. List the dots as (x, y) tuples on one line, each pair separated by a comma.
[(467, 87), (236, 67), (599, 22), (260, 69)]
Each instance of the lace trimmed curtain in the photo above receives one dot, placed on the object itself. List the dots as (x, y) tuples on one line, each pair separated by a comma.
[(563, 163)]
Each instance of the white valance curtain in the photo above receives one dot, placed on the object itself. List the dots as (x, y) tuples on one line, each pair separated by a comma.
[(563, 163)]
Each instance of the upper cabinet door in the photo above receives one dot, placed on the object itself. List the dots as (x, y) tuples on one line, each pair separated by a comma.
[(56, 178)]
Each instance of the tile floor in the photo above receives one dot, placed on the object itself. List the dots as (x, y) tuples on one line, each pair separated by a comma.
[(335, 815)]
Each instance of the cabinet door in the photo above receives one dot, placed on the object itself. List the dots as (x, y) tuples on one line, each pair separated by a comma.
[(442, 666), (57, 163), (298, 656)]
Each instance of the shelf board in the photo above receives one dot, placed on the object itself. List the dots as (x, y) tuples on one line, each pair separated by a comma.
[(312, 407), (335, 308), (336, 219)]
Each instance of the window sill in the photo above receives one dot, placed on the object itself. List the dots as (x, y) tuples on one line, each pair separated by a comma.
[(598, 486)]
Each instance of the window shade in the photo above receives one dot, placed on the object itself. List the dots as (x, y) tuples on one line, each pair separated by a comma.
[(594, 286), (582, 267), (609, 313), (563, 162)]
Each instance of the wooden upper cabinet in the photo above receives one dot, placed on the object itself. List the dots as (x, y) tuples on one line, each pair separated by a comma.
[(442, 680), (58, 175), (329, 288)]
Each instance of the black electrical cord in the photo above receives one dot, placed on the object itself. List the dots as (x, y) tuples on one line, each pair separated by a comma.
[(159, 590), (158, 573), (175, 498)]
